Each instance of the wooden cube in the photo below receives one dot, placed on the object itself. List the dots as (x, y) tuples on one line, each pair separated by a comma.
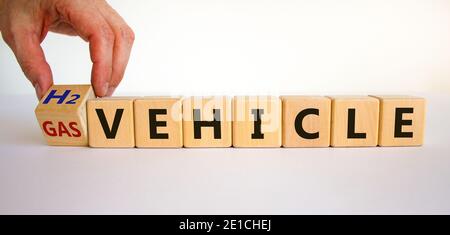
[(257, 121), (158, 122), (111, 122), (207, 122), (306, 121), (62, 115), (402, 121), (354, 121)]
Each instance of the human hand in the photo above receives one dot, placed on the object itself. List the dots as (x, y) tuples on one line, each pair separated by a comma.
[(24, 24)]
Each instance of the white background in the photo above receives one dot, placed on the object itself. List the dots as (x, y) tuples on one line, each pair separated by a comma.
[(266, 46), (244, 47)]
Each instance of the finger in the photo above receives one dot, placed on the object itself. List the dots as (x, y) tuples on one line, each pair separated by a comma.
[(92, 27), (124, 39), (101, 50), (26, 46), (63, 28)]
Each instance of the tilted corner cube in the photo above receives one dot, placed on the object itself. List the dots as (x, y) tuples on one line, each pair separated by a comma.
[(61, 114)]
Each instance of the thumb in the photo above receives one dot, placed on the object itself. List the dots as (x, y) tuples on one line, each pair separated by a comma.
[(28, 51)]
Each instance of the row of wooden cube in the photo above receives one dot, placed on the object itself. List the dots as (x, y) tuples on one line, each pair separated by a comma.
[(71, 116)]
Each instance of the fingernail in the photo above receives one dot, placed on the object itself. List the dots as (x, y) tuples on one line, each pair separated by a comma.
[(105, 89), (37, 88), (110, 91)]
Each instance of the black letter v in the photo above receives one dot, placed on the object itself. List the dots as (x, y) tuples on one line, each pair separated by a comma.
[(110, 133)]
